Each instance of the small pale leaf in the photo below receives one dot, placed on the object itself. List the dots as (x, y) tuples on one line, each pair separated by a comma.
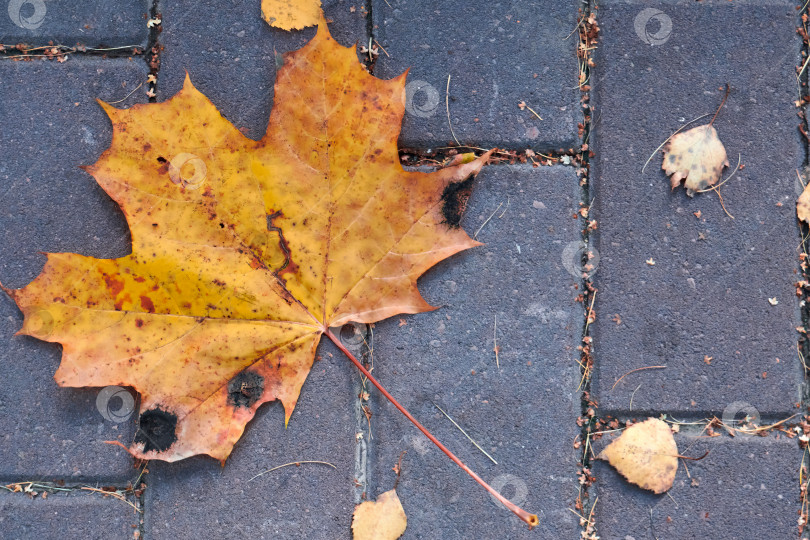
[(695, 158), (803, 205), (291, 14), (383, 519), (645, 454)]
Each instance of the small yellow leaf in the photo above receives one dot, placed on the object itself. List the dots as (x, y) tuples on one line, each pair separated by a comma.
[(645, 454), (695, 157), (291, 14), (383, 519), (803, 205)]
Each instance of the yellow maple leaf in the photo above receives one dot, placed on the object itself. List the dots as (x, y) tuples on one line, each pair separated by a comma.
[(244, 253)]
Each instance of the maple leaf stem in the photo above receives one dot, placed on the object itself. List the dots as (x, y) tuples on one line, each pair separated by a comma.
[(530, 519)]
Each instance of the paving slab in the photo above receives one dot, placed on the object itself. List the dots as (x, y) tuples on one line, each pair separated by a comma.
[(51, 126), (237, 70), (747, 487), (77, 515), (707, 309), (523, 413), (497, 54), (112, 23), (198, 497)]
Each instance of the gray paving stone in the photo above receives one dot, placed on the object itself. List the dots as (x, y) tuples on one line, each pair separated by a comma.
[(112, 23), (74, 514), (237, 69), (708, 292), (197, 498), (497, 54), (523, 414), (745, 488), (51, 125)]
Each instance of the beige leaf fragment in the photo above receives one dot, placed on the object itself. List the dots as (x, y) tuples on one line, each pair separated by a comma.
[(645, 454), (383, 519), (695, 157), (803, 205), (291, 14)]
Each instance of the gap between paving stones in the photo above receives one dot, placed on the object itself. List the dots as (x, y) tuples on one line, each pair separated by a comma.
[(153, 48), (583, 505), (22, 51), (32, 488), (803, 344)]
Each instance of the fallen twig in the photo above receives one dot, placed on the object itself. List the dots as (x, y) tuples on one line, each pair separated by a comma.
[(297, 463)]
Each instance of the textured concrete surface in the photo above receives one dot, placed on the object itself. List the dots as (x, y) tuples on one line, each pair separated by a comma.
[(497, 54), (51, 126), (237, 70), (523, 414), (112, 23), (708, 293), (745, 488), (75, 514), (198, 498), (706, 296)]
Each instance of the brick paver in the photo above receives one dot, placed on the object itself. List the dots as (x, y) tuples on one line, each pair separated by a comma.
[(497, 54), (67, 22), (237, 70), (75, 515), (523, 413), (745, 488), (51, 126)]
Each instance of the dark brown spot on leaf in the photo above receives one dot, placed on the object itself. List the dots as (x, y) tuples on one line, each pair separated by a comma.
[(245, 389), (156, 430), (454, 201), (146, 303), (113, 285)]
